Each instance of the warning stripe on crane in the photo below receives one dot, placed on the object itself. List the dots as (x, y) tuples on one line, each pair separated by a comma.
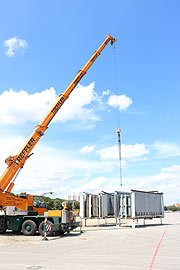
[(48, 227)]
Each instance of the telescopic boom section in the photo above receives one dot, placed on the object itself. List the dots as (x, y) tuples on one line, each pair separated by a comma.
[(15, 163)]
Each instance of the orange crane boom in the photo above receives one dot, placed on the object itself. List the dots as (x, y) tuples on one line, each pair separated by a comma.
[(16, 163)]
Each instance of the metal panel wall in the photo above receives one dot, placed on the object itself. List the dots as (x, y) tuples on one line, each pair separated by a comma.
[(147, 204), (82, 206), (89, 205), (106, 204), (122, 204), (95, 205)]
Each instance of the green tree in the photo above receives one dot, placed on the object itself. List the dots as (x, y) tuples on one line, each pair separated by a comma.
[(172, 208), (56, 204), (77, 205), (50, 203)]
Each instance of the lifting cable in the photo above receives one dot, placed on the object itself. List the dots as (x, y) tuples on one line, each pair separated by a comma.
[(118, 116)]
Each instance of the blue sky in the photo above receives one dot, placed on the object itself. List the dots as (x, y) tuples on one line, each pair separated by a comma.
[(43, 44)]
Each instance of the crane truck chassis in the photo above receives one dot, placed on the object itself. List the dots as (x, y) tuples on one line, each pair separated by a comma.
[(59, 221), (27, 213)]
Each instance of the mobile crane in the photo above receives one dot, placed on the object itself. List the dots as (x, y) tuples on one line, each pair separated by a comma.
[(26, 212)]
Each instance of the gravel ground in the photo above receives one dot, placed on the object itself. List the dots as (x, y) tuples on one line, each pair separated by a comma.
[(11, 238)]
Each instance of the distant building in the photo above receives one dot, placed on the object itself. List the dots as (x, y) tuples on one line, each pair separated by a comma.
[(74, 196), (177, 204)]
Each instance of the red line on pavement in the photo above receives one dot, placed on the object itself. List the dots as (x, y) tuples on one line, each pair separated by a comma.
[(158, 246)]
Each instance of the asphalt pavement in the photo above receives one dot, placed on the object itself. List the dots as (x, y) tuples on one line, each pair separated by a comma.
[(153, 246)]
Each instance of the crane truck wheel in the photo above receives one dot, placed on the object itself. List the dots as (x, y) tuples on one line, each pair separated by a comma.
[(41, 228), (29, 227), (3, 225), (3, 230)]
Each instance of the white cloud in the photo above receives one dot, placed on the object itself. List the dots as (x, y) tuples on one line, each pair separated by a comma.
[(166, 149), (87, 149), (127, 152), (133, 151), (9, 146), (167, 181), (173, 169), (93, 185), (87, 176), (14, 45), (122, 101), (64, 171), (76, 106), (105, 93), (20, 107), (109, 153), (50, 168)]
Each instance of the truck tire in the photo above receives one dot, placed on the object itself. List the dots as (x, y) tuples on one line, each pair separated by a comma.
[(41, 228), (29, 227), (2, 231), (3, 225)]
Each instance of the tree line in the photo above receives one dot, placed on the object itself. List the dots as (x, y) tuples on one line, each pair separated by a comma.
[(171, 208), (56, 204)]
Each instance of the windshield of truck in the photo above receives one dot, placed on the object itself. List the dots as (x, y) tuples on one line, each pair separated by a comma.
[(38, 202)]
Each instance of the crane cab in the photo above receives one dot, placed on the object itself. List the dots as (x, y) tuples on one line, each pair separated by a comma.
[(30, 203)]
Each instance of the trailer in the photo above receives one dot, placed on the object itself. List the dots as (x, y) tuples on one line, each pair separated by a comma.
[(147, 204), (132, 205)]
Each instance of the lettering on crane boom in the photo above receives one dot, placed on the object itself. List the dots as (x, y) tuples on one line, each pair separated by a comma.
[(80, 75), (58, 105), (25, 150)]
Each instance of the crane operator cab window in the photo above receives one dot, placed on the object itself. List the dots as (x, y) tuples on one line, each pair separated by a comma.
[(39, 202)]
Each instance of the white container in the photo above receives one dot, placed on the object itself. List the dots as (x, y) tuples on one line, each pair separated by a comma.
[(122, 204), (82, 205), (95, 205), (146, 204), (106, 204), (89, 205), (134, 204)]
